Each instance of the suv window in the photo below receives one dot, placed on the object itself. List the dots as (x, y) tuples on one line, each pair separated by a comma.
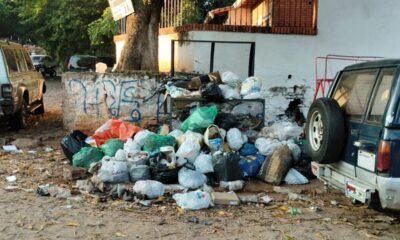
[(382, 95), (28, 61), (21, 60), (11, 61), (353, 91)]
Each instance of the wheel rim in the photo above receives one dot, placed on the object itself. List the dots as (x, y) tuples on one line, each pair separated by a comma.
[(316, 131)]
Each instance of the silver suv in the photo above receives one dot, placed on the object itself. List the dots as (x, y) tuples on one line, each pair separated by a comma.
[(21, 86)]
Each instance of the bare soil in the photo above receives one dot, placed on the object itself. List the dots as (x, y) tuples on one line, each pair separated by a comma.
[(26, 215)]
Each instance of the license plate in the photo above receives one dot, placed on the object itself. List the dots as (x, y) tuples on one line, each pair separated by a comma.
[(366, 160)]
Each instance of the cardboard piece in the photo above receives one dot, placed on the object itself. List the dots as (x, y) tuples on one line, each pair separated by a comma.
[(225, 198), (196, 82)]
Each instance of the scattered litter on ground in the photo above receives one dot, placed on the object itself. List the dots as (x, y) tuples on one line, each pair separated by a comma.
[(10, 148), (11, 179)]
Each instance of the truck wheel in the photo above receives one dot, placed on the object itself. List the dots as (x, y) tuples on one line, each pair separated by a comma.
[(53, 73), (324, 131), (19, 121), (40, 110)]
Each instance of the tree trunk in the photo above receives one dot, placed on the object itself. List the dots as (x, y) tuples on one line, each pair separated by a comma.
[(141, 45)]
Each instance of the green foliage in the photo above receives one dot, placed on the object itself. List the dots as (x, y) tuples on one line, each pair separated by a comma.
[(102, 29), (61, 27), (195, 11), (10, 27)]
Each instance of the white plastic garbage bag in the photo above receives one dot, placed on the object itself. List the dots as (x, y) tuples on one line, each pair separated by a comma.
[(233, 185), (150, 188), (231, 79), (203, 163), (189, 150), (229, 92), (139, 172), (294, 177), (137, 158), (236, 139), (177, 92), (267, 146), (282, 131), (295, 149), (189, 135), (250, 85), (193, 200), (131, 146), (176, 133), (120, 155), (141, 136), (224, 87), (112, 171), (190, 178)]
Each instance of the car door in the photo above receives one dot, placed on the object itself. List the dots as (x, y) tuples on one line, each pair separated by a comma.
[(352, 93), (26, 76), (370, 131)]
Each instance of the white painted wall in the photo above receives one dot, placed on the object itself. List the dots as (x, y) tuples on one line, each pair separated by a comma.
[(347, 27)]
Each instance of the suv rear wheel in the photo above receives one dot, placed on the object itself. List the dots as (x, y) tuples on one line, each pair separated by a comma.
[(324, 131)]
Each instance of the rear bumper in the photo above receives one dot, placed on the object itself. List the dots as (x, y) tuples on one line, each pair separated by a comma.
[(388, 188), (389, 192), (6, 107)]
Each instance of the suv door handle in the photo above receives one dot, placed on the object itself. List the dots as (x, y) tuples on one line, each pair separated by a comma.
[(365, 145)]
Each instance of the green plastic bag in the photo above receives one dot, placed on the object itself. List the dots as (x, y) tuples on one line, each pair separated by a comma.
[(154, 142), (111, 146), (86, 156), (200, 119)]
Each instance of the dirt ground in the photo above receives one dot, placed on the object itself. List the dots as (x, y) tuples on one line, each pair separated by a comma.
[(26, 215)]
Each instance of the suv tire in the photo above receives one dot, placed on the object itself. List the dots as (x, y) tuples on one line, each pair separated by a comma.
[(19, 120), (324, 131)]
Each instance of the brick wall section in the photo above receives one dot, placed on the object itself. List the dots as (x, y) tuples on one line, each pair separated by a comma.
[(213, 27), (288, 17), (232, 28), (293, 13)]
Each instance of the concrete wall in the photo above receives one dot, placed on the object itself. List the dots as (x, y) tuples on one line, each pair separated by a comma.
[(347, 27), (90, 99)]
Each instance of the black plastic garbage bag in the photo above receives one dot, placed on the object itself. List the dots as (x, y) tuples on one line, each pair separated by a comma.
[(72, 143), (227, 167), (160, 171), (212, 92), (226, 121), (303, 165)]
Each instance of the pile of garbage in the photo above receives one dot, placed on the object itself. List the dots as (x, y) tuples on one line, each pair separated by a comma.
[(205, 152), (216, 88)]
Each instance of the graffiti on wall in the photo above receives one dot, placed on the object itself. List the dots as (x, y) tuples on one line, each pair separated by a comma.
[(126, 98)]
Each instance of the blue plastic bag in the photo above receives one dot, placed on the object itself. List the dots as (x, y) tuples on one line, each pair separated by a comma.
[(248, 149), (251, 167)]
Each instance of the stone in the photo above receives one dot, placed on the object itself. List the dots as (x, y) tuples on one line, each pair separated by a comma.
[(26, 143), (73, 173)]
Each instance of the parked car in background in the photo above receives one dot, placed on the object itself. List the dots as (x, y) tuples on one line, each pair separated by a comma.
[(353, 135), (82, 63), (21, 86), (45, 64)]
